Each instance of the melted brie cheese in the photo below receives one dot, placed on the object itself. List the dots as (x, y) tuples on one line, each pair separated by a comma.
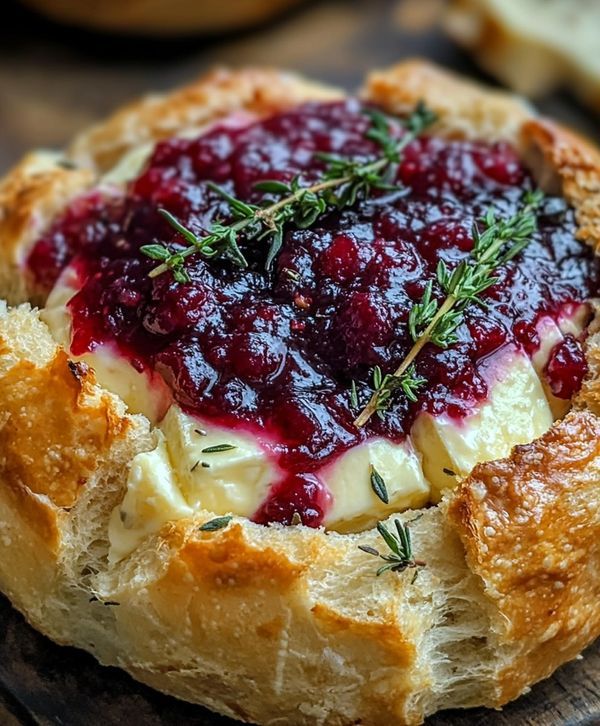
[(145, 393), (235, 480), (515, 412), (129, 166), (355, 505), (152, 499), (180, 477)]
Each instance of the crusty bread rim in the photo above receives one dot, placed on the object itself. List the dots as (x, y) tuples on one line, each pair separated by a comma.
[(289, 625)]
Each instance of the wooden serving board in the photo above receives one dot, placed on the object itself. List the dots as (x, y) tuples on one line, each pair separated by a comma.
[(55, 81)]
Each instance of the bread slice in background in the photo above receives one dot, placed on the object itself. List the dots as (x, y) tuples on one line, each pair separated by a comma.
[(533, 46)]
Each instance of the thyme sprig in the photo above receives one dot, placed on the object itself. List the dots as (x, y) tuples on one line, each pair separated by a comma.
[(342, 182), (409, 382), (401, 555), (430, 321)]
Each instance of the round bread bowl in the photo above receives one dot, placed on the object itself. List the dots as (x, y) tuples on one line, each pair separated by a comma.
[(289, 623)]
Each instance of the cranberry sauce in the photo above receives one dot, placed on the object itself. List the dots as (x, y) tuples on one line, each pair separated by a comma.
[(278, 352)]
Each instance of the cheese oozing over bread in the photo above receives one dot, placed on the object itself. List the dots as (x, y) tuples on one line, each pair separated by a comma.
[(200, 466), (187, 472)]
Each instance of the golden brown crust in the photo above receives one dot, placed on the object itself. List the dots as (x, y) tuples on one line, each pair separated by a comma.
[(531, 531), (576, 163), (61, 433), (291, 623), (464, 108), (214, 96), (31, 195), (275, 590), (589, 394)]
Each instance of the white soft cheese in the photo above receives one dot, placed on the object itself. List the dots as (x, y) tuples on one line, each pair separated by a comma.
[(236, 480), (515, 412), (171, 482), (179, 477), (145, 393), (355, 505), (129, 166), (152, 499)]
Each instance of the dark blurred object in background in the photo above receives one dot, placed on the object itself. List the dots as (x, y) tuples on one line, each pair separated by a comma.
[(162, 17), (57, 79)]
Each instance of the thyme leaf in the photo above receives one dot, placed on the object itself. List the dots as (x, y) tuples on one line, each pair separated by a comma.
[(430, 321), (217, 448), (378, 485), (215, 524), (400, 557), (343, 181)]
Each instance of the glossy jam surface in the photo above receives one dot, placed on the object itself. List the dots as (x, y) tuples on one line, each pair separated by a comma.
[(277, 352)]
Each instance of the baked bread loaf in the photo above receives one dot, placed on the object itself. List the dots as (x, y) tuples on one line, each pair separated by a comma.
[(162, 17), (533, 46), (290, 623)]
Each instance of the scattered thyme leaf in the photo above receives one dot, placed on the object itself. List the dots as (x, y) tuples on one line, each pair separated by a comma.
[(378, 485), (214, 524), (430, 321), (369, 550), (217, 448)]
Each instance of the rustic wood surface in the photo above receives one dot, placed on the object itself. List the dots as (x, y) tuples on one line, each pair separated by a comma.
[(53, 82)]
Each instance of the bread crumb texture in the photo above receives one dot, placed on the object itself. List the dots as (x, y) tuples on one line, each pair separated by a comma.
[(530, 527)]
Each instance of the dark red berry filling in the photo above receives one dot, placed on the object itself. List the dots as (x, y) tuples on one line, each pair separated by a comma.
[(566, 368), (279, 351)]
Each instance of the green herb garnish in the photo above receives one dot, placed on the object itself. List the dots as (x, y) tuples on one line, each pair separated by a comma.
[(214, 524), (432, 322), (343, 181), (217, 448), (378, 485), (401, 556)]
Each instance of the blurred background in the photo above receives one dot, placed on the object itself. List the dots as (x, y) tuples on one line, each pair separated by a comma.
[(65, 63)]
